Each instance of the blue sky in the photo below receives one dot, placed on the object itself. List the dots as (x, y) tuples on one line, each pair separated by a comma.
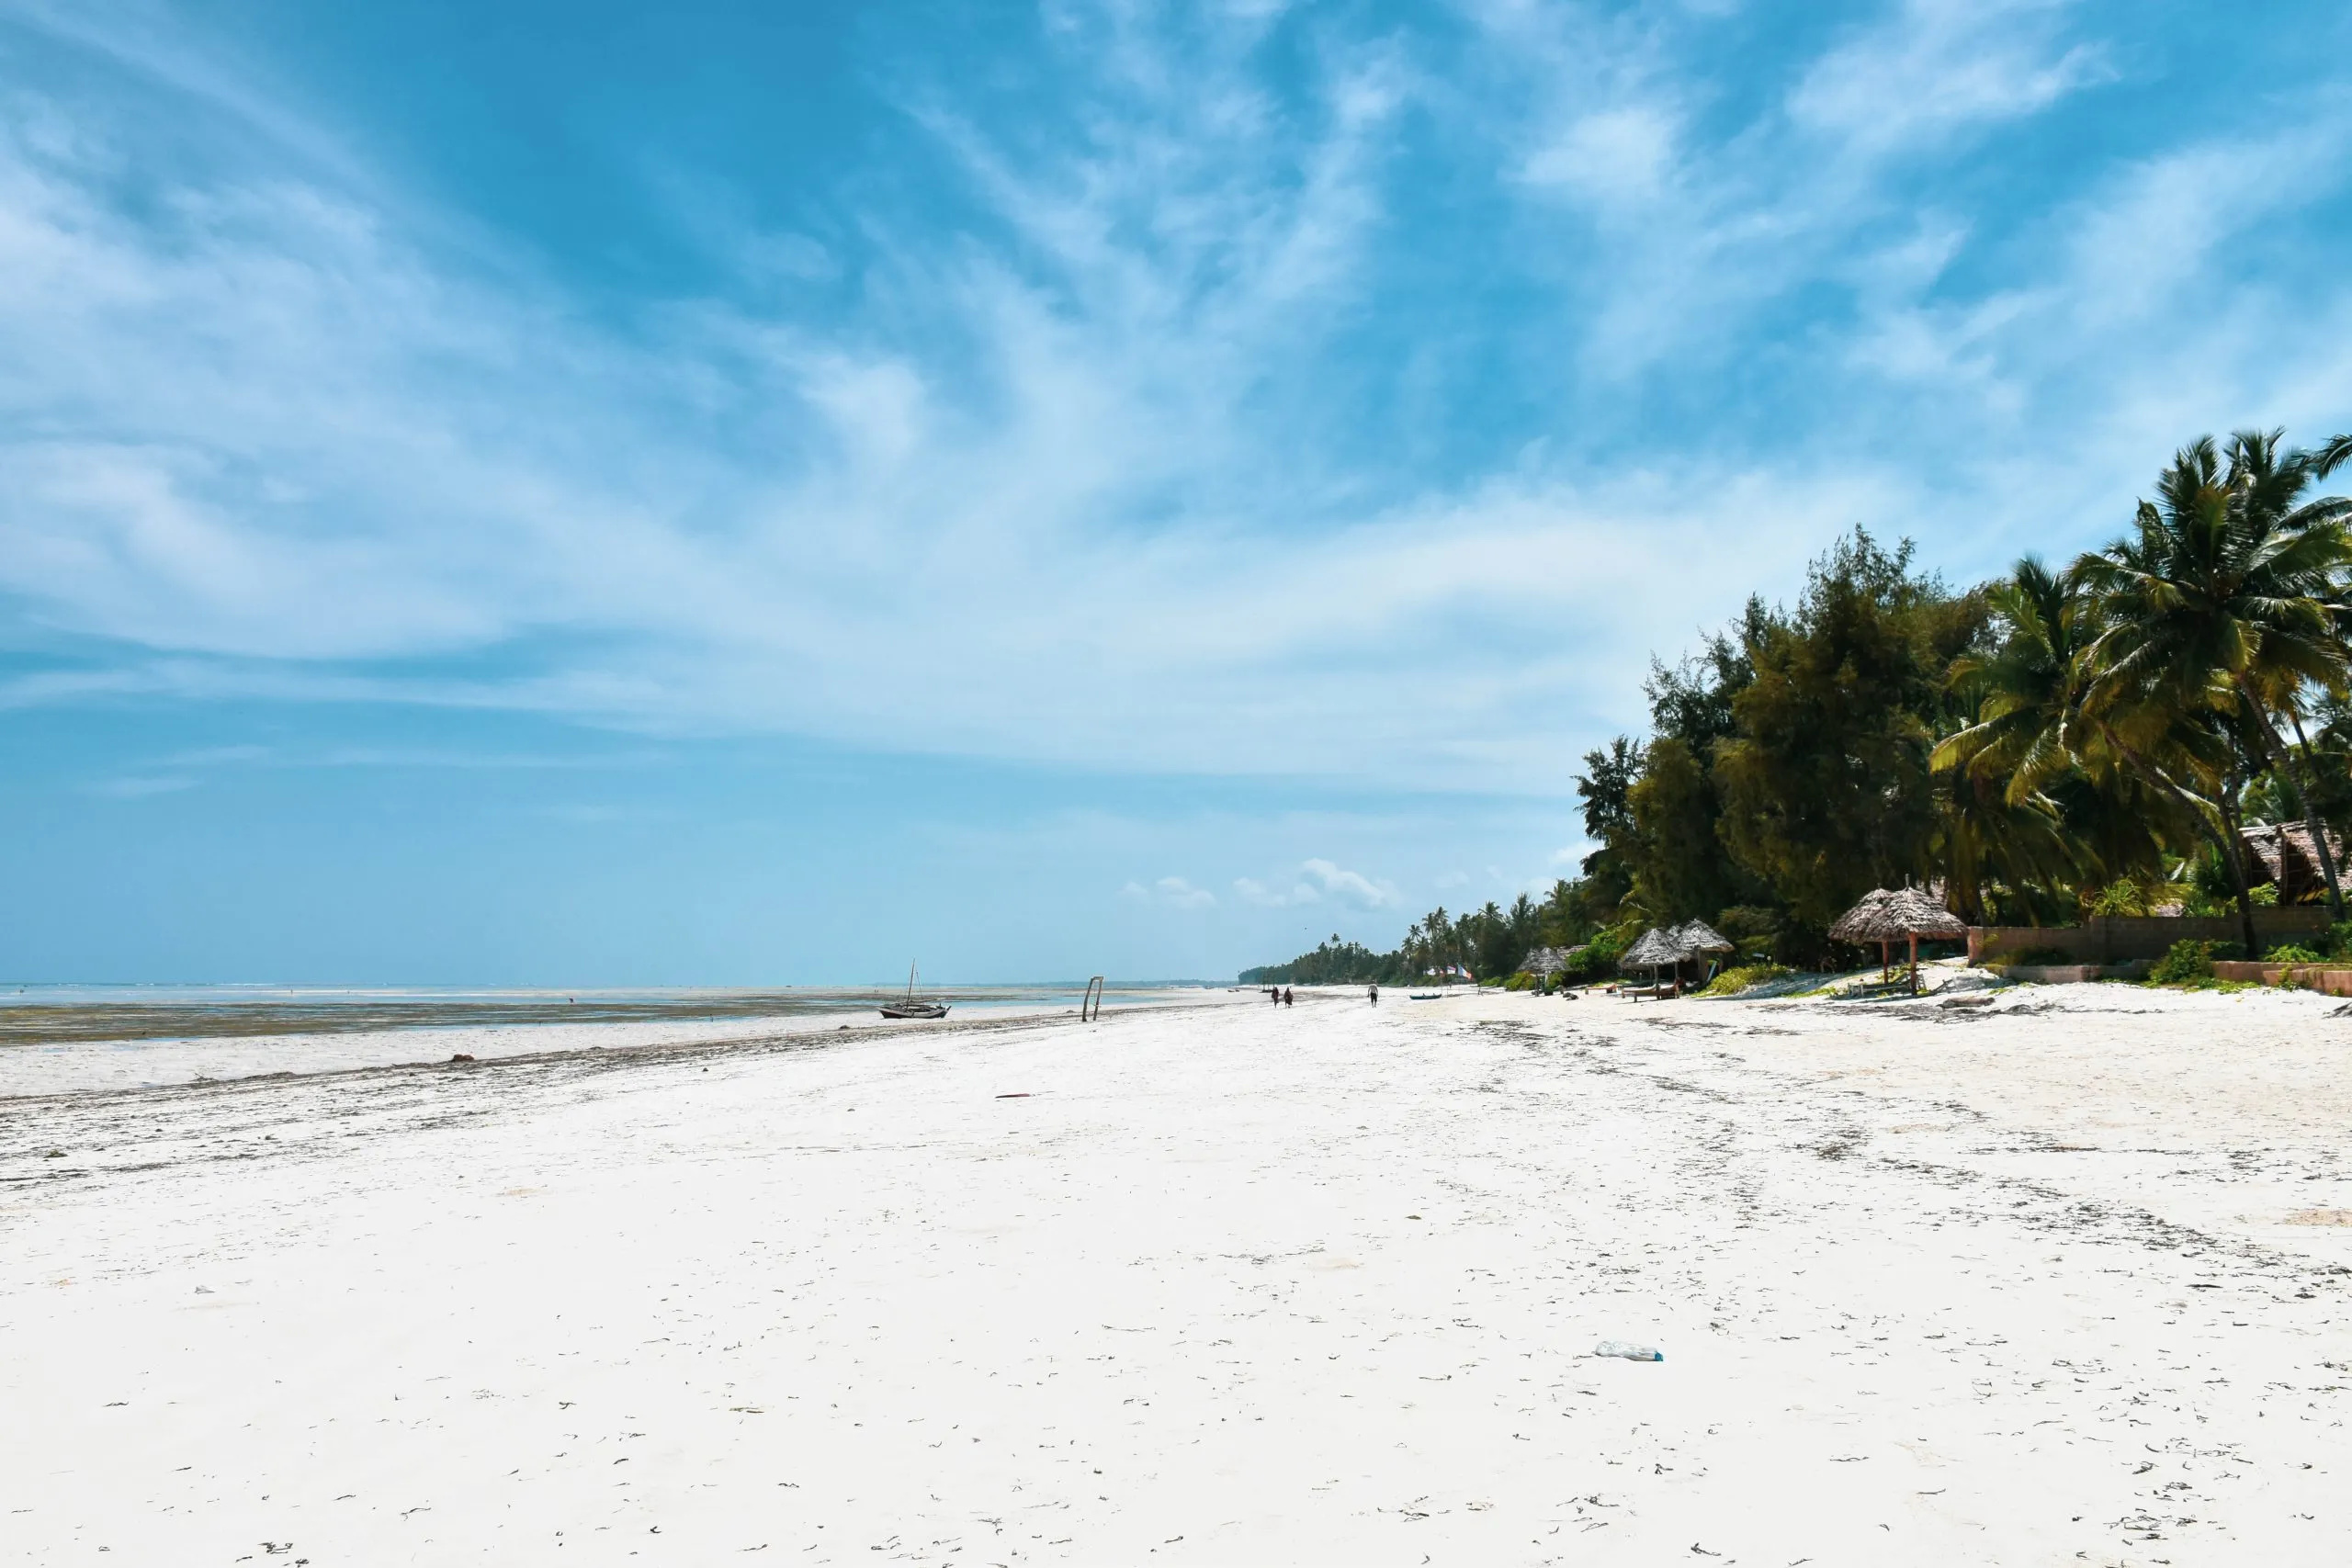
[(587, 493)]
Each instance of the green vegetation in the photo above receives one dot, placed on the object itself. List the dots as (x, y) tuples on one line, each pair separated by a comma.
[(1335, 963), (1487, 943), (2058, 743), (2188, 964), (2293, 953), (1731, 982)]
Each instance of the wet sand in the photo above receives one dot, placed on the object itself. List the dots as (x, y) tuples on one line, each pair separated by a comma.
[(50, 1049)]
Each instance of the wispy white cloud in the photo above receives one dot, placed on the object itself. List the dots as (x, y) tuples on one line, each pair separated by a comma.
[(1701, 233), (1173, 891), (141, 787), (1617, 157), (1934, 68), (1064, 486), (252, 444)]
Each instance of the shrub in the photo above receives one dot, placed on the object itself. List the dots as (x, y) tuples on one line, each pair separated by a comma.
[(2209, 881), (2123, 898), (2339, 940), (2188, 964), (2293, 953), (1751, 928), (1596, 960), (1522, 981), (1731, 982)]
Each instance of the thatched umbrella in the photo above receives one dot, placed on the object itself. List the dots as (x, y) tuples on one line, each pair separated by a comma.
[(1697, 939), (1866, 922), (1890, 915), (1653, 950)]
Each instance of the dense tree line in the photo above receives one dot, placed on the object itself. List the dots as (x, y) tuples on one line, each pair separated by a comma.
[(2080, 740), (1491, 941), (1333, 963)]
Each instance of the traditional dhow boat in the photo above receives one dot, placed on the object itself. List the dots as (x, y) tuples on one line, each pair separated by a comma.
[(912, 1006)]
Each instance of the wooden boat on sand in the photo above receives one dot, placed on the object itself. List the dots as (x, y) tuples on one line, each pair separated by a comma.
[(912, 1006)]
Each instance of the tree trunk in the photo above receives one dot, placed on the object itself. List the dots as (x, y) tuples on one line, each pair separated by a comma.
[(2280, 759), (2237, 862), (2327, 856)]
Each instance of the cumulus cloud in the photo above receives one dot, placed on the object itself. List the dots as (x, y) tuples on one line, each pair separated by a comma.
[(1350, 886), (1316, 882)]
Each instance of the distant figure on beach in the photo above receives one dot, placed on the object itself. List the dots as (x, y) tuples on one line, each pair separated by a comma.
[(1274, 995), (1286, 996), (1376, 995)]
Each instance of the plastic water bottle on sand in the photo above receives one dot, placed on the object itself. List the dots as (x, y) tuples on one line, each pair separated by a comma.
[(1627, 1350)]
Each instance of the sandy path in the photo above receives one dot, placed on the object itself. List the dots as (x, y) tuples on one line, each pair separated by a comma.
[(1238, 1285)]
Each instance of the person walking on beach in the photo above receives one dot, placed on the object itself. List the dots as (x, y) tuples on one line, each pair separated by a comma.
[(1375, 996), (1286, 996)]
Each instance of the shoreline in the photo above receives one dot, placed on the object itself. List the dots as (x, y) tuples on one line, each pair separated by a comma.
[(34, 1070)]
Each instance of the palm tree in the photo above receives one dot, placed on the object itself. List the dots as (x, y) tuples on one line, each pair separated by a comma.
[(1523, 916), (2031, 794), (2266, 484), (2332, 454), (2225, 598), (1438, 937), (2025, 688), (2231, 595), (1996, 816)]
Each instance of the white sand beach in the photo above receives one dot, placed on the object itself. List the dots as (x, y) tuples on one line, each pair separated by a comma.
[(2062, 1278)]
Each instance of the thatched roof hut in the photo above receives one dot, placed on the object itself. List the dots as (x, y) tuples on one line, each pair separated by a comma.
[(1698, 936), (2288, 857), (1669, 947), (1653, 949), (1893, 914), (1889, 915)]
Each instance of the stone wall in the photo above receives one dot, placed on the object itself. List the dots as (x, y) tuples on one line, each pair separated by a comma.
[(2330, 979), (2114, 939)]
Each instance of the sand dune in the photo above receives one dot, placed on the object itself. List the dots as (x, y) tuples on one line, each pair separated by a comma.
[(2047, 1282)]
